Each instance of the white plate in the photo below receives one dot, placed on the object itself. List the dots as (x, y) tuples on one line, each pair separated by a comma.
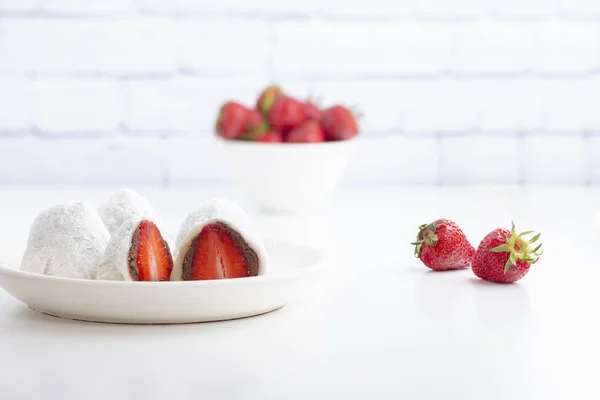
[(291, 269)]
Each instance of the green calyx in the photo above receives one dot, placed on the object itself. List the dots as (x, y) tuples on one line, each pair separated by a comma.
[(520, 248), (316, 100), (218, 121), (270, 95), (255, 132), (426, 236), (356, 112)]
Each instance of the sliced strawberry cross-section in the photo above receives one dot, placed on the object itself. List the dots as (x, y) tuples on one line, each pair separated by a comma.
[(219, 252), (149, 257)]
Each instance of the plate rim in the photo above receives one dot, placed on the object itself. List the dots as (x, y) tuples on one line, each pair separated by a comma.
[(316, 266)]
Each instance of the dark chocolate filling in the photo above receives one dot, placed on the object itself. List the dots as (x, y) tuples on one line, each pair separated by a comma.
[(248, 253), (132, 259)]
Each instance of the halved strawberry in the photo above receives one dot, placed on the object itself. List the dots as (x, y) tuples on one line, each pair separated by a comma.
[(149, 256), (219, 252)]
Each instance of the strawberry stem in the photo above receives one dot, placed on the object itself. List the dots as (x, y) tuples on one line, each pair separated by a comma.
[(356, 112), (316, 100), (519, 248), (426, 236)]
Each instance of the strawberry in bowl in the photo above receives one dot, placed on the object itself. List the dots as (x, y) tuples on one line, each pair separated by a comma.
[(287, 154)]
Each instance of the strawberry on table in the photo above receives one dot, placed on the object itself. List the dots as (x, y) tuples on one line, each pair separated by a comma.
[(233, 120), (309, 132), (339, 123), (504, 256), (267, 98), (442, 245)]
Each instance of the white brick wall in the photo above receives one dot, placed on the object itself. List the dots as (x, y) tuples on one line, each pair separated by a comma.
[(119, 161), (231, 6), (126, 91), (467, 159), (530, 8), (80, 7), (580, 7), (325, 48), (484, 47), (510, 106), (184, 104), (450, 7), (77, 106), (567, 46), (22, 5), (559, 159), (216, 55), (69, 46), (15, 106)]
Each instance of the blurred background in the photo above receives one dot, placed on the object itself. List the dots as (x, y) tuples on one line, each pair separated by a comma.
[(453, 92)]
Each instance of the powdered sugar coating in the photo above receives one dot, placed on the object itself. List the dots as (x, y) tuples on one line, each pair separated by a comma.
[(212, 211), (114, 265), (66, 240), (124, 205)]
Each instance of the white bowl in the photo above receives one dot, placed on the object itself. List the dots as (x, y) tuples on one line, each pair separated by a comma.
[(288, 177)]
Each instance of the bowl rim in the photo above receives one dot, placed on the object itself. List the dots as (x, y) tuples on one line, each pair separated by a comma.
[(249, 143)]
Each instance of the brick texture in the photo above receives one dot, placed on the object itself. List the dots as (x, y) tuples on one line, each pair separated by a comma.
[(128, 90), (352, 48), (34, 161), (75, 106)]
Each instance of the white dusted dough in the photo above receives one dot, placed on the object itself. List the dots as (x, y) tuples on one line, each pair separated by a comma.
[(123, 205), (114, 265), (212, 211), (66, 240)]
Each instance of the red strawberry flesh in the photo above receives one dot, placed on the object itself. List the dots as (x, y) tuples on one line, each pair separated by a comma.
[(149, 256), (219, 252)]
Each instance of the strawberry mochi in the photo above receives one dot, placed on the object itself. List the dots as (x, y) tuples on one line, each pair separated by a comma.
[(66, 240), (123, 205), (136, 251), (218, 241)]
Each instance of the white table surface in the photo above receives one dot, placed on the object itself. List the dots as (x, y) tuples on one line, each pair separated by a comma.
[(378, 326)]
